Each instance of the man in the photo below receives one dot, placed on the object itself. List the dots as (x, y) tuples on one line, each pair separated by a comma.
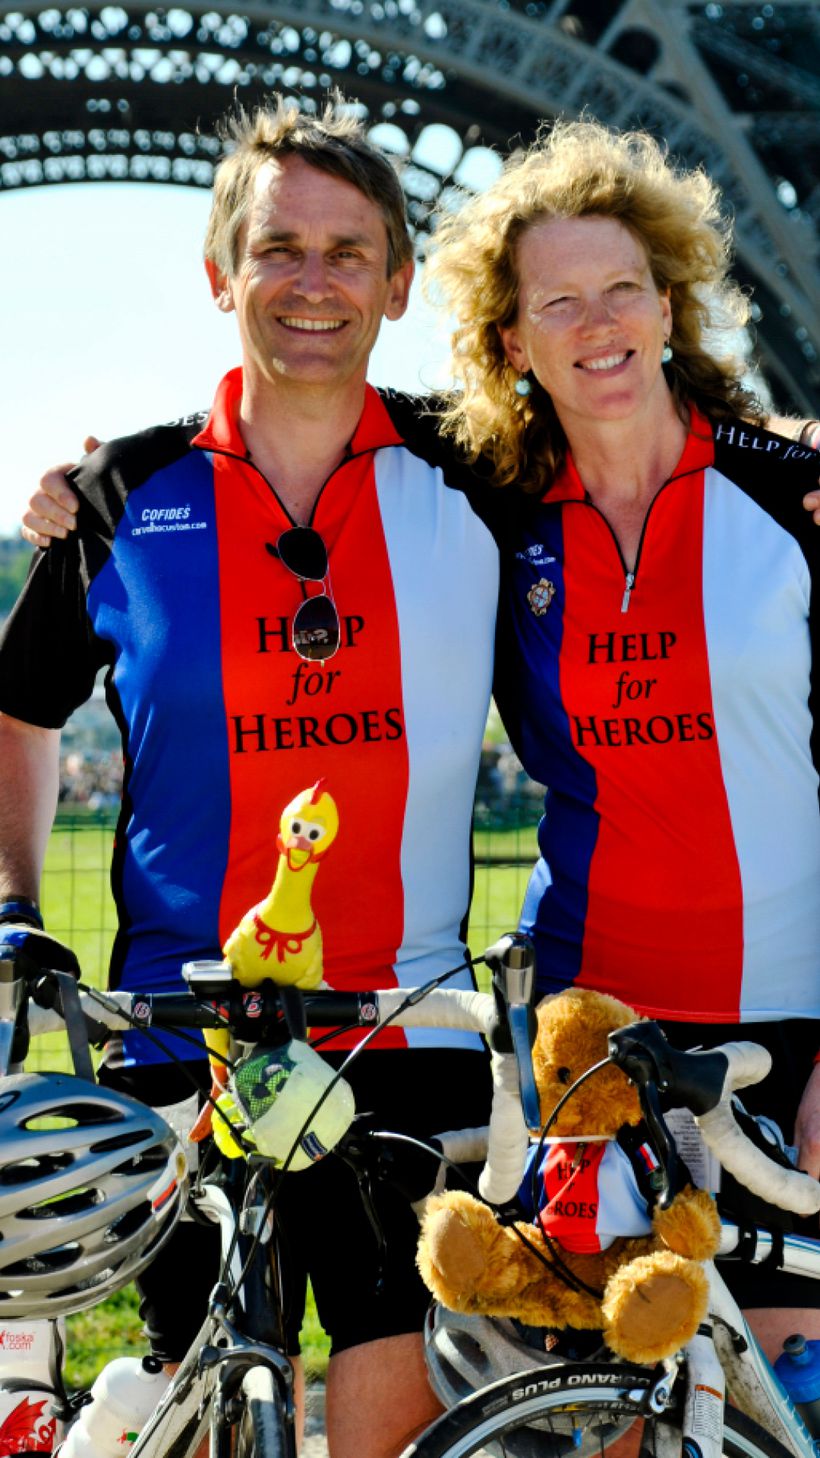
[(185, 579)]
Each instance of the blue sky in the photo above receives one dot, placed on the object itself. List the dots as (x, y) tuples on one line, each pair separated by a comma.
[(108, 324)]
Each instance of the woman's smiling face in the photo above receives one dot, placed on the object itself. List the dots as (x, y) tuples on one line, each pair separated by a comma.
[(591, 324)]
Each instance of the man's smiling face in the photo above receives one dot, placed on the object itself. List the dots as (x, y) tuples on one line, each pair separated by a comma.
[(310, 287)]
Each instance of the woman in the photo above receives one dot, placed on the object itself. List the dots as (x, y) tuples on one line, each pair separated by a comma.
[(655, 649)]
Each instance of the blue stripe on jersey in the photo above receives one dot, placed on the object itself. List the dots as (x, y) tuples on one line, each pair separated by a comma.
[(157, 599), (554, 910)]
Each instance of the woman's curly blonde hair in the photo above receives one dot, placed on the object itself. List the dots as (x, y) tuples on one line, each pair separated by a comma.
[(577, 169)]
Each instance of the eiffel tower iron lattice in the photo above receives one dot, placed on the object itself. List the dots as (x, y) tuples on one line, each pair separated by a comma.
[(132, 91)]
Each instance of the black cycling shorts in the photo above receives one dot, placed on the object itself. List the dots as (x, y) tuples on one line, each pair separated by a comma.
[(325, 1233), (362, 1291), (793, 1044)]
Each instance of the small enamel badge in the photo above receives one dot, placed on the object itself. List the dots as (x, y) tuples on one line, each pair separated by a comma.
[(540, 596)]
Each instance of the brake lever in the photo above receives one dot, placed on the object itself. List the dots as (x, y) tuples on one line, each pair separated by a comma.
[(642, 1052), (512, 963), (662, 1142)]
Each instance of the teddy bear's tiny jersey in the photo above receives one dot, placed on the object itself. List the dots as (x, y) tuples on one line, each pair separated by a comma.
[(588, 1193)]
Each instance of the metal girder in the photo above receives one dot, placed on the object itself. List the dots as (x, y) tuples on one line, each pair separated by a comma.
[(790, 79), (133, 90)]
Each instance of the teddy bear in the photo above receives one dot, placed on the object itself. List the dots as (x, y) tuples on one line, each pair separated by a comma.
[(631, 1269)]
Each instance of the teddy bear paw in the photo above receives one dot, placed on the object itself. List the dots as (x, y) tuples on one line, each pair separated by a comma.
[(652, 1306)]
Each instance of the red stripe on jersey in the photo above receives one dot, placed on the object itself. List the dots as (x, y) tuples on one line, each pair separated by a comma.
[(570, 1214), (664, 889), (303, 717)]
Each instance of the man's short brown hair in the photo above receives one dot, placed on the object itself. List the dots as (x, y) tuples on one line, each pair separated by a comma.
[(334, 142)]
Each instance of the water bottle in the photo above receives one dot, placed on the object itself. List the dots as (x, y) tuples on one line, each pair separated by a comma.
[(29, 1362), (122, 1398), (798, 1368)]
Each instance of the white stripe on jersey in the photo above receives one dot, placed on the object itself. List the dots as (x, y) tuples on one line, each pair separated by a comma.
[(446, 623), (760, 667)]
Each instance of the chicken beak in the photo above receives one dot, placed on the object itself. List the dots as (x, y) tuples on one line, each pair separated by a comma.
[(299, 852)]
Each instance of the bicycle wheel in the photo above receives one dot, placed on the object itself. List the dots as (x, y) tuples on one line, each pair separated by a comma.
[(550, 1412), (263, 1431)]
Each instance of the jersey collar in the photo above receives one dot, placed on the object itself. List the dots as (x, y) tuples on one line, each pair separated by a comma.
[(221, 430), (698, 453)]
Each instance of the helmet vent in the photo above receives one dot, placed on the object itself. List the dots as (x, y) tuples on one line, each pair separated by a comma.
[(75, 1202)]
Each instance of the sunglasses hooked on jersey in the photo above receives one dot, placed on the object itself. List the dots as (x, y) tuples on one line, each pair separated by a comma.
[(315, 629)]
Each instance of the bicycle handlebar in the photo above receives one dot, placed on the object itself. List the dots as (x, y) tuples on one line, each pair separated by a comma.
[(215, 1000), (703, 1081)]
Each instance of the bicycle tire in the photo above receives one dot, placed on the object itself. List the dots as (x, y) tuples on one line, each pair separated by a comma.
[(263, 1430), (551, 1412)]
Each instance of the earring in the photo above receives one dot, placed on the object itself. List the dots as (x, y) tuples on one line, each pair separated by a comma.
[(667, 353), (522, 386)]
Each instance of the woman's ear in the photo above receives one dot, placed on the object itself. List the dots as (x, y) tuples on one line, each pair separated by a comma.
[(513, 348)]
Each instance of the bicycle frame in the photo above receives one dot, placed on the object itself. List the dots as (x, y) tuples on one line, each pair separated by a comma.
[(751, 1380), (726, 1348), (189, 1399)]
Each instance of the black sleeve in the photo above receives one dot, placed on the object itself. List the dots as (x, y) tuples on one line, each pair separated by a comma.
[(49, 654)]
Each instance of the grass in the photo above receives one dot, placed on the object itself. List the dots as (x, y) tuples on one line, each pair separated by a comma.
[(79, 909)]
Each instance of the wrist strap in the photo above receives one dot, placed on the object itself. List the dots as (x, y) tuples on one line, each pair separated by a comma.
[(810, 435), (20, 908)]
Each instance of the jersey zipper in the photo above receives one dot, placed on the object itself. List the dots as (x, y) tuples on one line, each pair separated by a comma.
[(630, 577)]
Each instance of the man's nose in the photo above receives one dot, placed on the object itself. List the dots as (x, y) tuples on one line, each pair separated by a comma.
[(313, 280)]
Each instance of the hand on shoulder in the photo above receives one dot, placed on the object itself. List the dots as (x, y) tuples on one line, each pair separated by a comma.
[(52, 511)]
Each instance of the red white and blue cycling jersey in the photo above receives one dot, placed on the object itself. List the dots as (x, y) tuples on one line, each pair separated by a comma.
[(588, 1193), (169, 584), (675, 726)]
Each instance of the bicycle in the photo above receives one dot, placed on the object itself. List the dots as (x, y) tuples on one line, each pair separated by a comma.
[(559, 1407), (236, 1379), (237, 1376)]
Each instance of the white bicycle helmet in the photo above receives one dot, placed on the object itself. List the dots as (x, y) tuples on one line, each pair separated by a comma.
[(467, 1353), (91, 1185)]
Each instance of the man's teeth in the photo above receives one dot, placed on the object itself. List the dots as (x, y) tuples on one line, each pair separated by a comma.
[(313, 325), (605, 364)]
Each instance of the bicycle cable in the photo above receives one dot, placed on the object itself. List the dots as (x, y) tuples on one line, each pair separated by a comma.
[(409, 1001)]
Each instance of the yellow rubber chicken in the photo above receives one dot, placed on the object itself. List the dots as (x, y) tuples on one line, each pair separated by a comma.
[(280, 937)]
